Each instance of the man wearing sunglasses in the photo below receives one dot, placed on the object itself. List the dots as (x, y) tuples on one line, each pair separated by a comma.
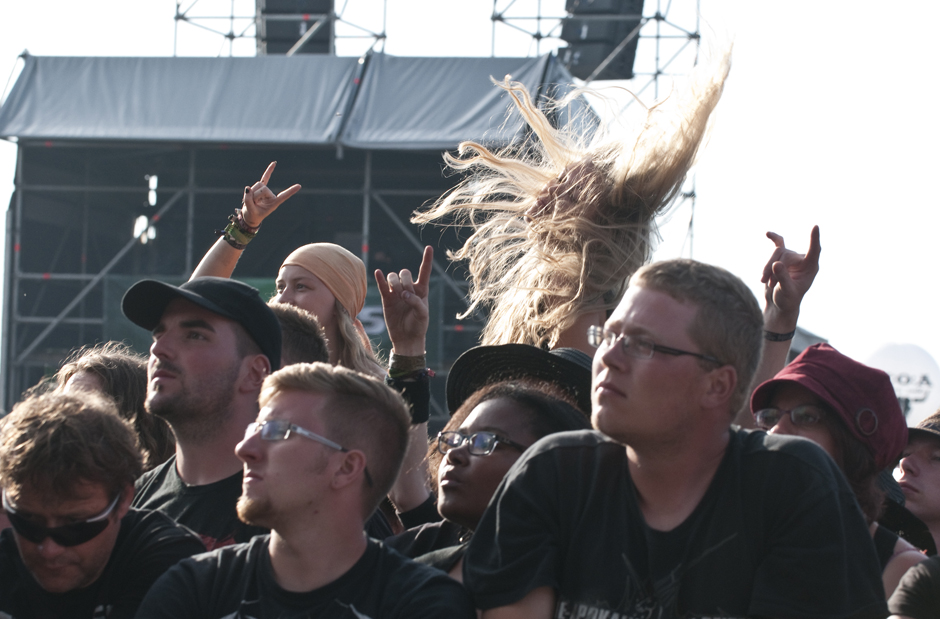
[(326, 447), (668, 511), (75, 549)]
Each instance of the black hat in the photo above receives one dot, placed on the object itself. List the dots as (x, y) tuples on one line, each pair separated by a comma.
[(567, 368), (929, 427), (145, 302)]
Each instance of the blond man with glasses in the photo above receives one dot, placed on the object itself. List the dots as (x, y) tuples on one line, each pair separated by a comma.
[(327, 445), (666, 510)]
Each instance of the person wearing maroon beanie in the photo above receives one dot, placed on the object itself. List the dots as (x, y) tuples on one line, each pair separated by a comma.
[(851, 411)]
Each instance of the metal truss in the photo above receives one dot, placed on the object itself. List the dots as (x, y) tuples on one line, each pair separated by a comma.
[(33, 339), (233, 20)]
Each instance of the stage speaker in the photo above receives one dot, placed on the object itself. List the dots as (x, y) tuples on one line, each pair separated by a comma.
[(593, 29), (280, 35)]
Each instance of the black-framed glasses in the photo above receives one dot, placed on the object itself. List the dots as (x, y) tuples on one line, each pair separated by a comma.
[(800, 416), (638, 346), (478, 443), (72, 534), (281, 430)]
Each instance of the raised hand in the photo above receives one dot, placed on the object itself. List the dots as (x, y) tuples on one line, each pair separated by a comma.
[(787, 277), (405, 305), (260, 201)]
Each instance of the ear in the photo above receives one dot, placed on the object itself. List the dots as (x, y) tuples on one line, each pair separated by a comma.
[(720, 384), (127, 496), (351, 472), (255, 368)]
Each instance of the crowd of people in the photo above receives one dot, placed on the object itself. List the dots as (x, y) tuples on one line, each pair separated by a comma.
[(629, 441)]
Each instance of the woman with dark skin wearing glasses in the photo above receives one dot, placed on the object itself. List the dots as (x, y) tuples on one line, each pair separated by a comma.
[(851, 411), (471, 456)]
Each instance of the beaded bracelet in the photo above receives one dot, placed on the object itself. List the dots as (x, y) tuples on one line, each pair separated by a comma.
[(238, 233)]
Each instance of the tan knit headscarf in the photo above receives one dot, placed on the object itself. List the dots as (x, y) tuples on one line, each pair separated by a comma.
[(339, 270)]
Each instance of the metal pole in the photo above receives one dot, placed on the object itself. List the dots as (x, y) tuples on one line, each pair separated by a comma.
[(88, 287), (610, 57), (409, 234), (659, 23), (84, 255), (306, 37), (493, 32), (8, 334), (366, 210), (176, 27), (190, 211)]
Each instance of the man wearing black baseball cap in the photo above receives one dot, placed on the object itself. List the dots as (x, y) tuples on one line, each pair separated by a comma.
[(214, 342)]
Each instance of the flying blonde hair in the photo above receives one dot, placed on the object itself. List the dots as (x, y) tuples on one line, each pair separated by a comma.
[(561, 222)]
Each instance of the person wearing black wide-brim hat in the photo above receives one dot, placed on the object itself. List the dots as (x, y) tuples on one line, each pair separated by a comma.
[(566, 368)]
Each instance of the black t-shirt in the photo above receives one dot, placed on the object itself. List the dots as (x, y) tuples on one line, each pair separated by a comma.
[(777, 533), (918, 593), (417, 541), (147, 545), (237, 581), (209, 510), (438, 544)]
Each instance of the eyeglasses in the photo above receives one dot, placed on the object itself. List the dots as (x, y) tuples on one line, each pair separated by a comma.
[(72, 534), (478, 444), (281, 430), (636, 346), (800, 416)]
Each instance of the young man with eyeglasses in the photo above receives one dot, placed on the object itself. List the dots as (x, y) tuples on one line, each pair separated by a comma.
[(75, 549), (326, 447), (668, 511)]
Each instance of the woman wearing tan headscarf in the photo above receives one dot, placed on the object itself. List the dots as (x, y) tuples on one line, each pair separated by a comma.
[(330, 282), (323, 278)]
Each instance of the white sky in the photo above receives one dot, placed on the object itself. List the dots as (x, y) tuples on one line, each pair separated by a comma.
[(828, 118)]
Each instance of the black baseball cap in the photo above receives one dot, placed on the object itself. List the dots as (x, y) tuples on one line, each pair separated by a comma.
[(567, 368), (145, 302)]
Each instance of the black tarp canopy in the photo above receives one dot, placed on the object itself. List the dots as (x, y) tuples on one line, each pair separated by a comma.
[(363, 136), (377, 102)]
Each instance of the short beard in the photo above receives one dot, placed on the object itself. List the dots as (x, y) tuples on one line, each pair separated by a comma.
[(198, 417), (254, 512)]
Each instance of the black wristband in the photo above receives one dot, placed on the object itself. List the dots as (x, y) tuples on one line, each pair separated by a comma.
[(416, 392), (770, 336)]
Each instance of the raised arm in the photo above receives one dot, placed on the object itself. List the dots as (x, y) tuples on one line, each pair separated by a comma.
[(787, 277), (258, 202), (405, 305)]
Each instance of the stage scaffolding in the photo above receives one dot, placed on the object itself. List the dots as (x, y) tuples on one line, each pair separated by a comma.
[(76, 204)]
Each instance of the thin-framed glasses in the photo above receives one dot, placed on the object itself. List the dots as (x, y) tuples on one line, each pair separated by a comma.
[(637, 346), (800, 416), (478, 443), (281, 430), (72, 534)]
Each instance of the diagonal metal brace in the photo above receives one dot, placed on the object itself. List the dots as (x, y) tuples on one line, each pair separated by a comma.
[(306, 36), (616, 51), (91, 284), (410, 235)]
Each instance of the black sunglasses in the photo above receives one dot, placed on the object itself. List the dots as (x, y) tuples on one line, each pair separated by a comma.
[(72, 534)]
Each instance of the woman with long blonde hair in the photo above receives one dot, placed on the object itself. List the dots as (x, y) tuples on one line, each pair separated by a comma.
[(562, 221)]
